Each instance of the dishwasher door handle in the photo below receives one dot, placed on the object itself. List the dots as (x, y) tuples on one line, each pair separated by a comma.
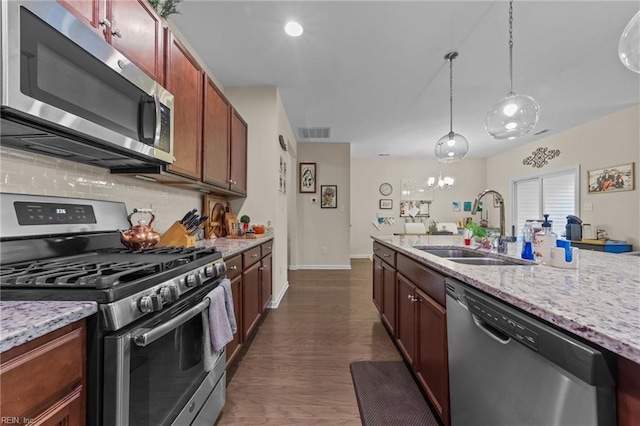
[(489, 331)]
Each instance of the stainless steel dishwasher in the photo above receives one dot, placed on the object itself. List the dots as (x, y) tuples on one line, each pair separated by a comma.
[(509, 368)]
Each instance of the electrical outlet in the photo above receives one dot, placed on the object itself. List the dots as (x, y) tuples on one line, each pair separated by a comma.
[(324, 250), (587, 207)]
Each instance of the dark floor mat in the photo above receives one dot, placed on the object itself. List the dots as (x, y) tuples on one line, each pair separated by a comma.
[(388, 396)]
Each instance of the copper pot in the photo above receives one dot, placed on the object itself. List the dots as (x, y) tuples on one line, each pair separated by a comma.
[(140, 236)]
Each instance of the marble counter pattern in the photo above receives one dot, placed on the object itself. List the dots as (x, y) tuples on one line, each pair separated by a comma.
[(230, 246), (22, 322), (599, 301)]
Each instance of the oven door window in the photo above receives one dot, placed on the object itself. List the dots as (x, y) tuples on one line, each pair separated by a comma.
[(165, 374)]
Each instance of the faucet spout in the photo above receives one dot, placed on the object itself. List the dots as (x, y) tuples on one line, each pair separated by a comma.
[(499, 200)]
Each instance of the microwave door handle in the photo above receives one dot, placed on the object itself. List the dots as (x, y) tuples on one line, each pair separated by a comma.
[(157, 121), (146, 336)]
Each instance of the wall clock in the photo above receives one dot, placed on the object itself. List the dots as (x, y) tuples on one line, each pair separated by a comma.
[(386, 189)]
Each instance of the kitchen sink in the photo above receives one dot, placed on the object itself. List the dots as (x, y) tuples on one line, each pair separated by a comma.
[(452, 252), (485, 261)]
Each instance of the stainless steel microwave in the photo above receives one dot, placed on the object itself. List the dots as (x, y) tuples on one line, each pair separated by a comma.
[(66, 92)]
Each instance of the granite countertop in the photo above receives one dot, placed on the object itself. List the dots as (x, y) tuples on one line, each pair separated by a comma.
[(231, 246), (599, 301), (22, 321)]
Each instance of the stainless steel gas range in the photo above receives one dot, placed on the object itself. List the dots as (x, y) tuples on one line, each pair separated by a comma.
[(145, 361)]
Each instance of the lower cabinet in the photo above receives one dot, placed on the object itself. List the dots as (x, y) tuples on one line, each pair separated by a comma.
[(384, 292), (406, 326), (251, 307), (42, 382), (234, 273), (265, 282)]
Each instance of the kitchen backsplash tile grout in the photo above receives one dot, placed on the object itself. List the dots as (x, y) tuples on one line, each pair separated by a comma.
[(27, 173)]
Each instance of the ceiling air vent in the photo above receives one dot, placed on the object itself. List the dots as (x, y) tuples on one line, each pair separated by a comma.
[(541, 132), (314, 132)]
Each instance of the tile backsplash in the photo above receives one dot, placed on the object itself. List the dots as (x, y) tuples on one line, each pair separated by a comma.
[(28, 173)]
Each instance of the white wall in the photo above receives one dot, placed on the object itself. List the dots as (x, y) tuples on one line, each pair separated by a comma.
[(26, 173), (367, 174), (320, 228), (607, 141), (262, 108)]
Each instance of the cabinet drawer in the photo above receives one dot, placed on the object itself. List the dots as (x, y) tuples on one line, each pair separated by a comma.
[(251, 256), (234, 266), (57, 364), (423, 277), (266, 248), (384, 253)]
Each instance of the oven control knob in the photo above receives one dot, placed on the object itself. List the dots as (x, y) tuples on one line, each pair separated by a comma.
[(169, 293), (192, 280), (150, 303)]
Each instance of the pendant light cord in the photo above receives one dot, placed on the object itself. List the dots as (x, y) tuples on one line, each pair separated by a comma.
[(510, 46), (451, 94)]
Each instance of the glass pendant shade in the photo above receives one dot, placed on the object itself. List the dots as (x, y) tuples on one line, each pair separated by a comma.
[(629, 45), (512, 116), (451, 147)]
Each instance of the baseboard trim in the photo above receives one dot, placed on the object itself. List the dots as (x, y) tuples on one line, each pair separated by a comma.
[(361, 256), (275, 302), (322, 267)]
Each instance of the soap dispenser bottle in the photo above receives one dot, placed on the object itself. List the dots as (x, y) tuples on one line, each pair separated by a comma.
[(544, 241), (527, 236)]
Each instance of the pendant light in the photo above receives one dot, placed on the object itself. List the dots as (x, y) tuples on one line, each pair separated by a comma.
[(514, 115), (629, 44), (452, 146)]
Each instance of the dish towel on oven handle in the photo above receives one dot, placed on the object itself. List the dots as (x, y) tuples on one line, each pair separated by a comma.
[(218, 322), (228, 303)]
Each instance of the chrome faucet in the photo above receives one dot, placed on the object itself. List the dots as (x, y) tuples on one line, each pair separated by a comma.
[(502, 238)]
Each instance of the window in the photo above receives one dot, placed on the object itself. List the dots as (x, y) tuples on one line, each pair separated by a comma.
[(556, 194)]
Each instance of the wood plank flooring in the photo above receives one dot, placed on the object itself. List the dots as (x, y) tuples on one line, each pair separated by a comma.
[(296, 370)]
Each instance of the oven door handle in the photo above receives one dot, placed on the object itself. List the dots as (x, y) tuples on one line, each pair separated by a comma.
[(150, 335)]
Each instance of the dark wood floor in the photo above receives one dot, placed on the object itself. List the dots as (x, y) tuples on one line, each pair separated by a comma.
[(296, 370)]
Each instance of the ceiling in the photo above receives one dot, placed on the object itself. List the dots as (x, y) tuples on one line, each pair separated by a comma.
[(375, 73)]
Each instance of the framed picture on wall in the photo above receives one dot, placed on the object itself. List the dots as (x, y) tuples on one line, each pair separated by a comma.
[(328, 196), (611, 179), (386, 203), (308, 177)]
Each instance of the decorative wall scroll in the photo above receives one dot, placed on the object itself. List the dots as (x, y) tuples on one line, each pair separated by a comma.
[(328, 196), (307, 177), (540, 157)]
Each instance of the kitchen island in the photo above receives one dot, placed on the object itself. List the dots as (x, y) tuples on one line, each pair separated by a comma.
[(599, 302)]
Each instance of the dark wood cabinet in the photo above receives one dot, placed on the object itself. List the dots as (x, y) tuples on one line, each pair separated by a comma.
[(389, 295), (628, 392), (132, 27), (216, 137), (234, 273), (251, 307), (265, 281), (432, 362), (56, 396), (184, 78), (378, 283), (406, 325), (238, 160)]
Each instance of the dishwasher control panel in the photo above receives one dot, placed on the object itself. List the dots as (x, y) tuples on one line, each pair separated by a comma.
[(499, 319)]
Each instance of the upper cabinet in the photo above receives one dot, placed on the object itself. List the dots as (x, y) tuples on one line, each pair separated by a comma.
[(216, 137), (184, 79), (238, 172), (131, 26)]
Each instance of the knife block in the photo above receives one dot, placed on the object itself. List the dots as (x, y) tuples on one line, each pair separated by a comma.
[(176, 236)]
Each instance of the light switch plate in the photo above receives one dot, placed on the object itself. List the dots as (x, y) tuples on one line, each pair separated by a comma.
[(587, 207)]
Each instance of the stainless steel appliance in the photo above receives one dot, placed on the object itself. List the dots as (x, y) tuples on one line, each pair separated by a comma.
[(67, 93), (145, 361), (508, 368)]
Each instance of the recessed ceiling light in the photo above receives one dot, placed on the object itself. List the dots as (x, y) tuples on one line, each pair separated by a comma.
[(293, 29)]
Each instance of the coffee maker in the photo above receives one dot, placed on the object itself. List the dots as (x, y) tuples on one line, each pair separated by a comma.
[(573, 228)]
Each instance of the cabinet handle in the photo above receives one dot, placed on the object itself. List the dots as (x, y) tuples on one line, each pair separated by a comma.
[(254, 255), (386, 255), (105, 23), (117, 33), (232, 182), (379, 267), (269, 248), (262, 268), (233, 268)]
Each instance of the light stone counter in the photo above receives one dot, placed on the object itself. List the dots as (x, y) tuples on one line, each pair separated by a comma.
[(230, 246), (22, 322), (599, 301)]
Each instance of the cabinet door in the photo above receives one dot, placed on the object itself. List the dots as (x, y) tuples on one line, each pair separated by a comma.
[(215, 139), (265, 281), (68, 411), (432, 357), (406, 325), (250, 299), (184, 80), (234, 346), (389, 296), (90, 12), (378, 277), (238, 160), (136, 32)]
